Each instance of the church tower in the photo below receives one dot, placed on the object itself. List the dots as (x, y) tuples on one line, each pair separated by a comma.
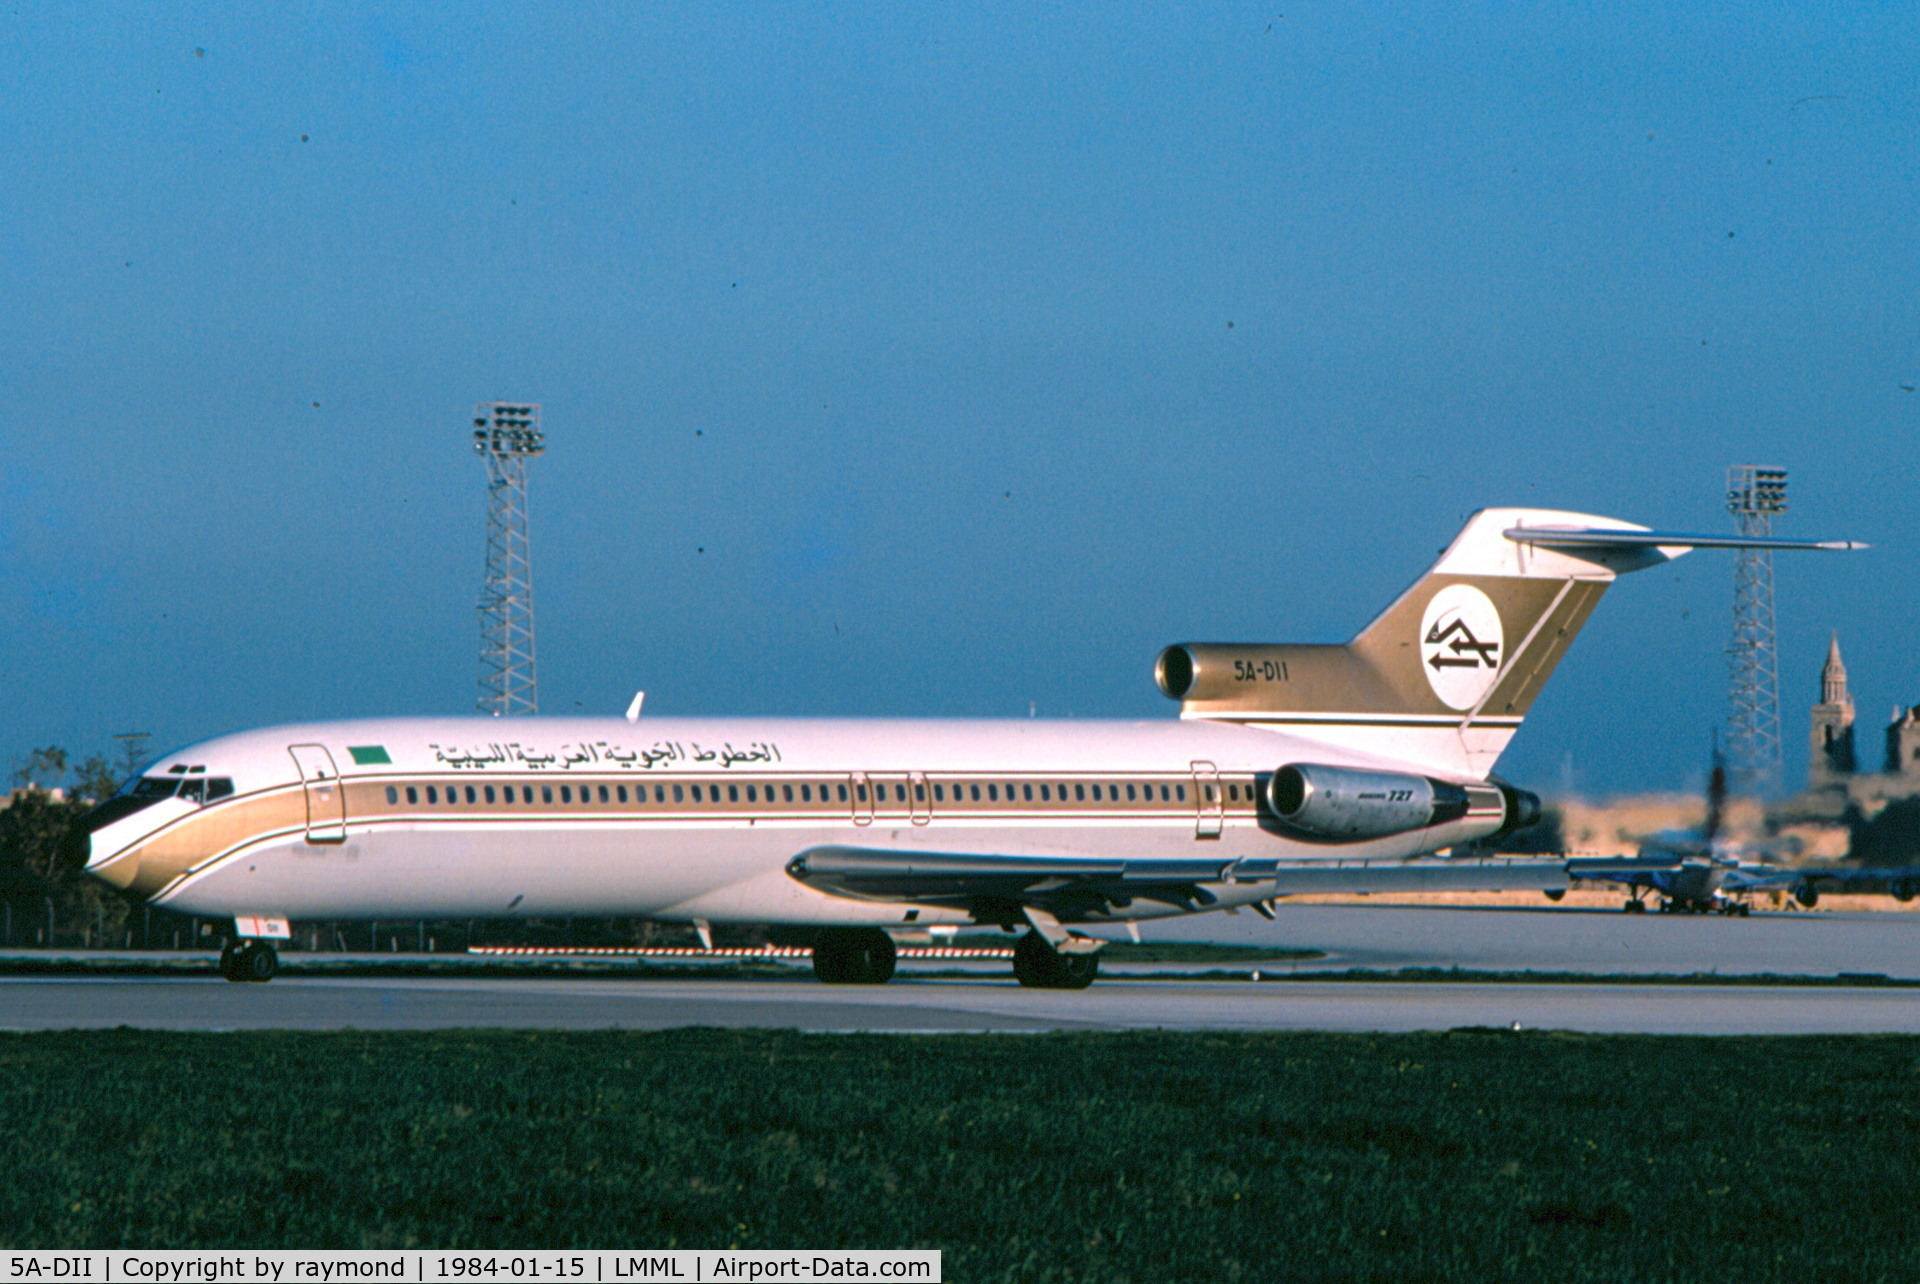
[(1831, 758)]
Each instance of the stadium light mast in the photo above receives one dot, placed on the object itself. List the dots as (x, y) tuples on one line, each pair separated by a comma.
[(506, 435), (1755, 496)]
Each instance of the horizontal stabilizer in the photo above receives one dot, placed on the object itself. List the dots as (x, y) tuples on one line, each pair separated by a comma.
[(1598, 537)]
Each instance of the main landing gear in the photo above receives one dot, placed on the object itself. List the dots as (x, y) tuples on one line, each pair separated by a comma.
[(853, 956), (1039, 966), (249, 961)]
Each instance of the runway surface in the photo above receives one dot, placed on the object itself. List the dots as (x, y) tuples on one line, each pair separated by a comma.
[(1814, 945), (1590, 941), (371, 1003)]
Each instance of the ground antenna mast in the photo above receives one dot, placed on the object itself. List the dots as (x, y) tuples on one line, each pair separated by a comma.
[(1755, 496), (506, 434)]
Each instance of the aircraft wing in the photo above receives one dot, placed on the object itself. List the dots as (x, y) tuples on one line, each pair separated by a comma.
[(1894, 879), (1643, 871), (998, 889)]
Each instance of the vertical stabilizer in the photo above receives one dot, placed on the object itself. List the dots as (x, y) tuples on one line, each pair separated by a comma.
[(1443, 677)]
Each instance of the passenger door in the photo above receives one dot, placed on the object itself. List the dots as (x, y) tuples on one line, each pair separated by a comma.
[(326, 798), (860, 798), (1209, 800)]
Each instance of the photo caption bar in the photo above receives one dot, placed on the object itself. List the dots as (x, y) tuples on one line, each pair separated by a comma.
[(601, 1266)]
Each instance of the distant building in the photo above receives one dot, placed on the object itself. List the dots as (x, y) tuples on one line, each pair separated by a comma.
[(1833, 761), (1843, 793), (1903, 745), (1831, 757)]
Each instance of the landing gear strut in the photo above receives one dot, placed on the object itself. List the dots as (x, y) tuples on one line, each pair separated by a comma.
[(249, 961), (1038, 965), (853, 956)]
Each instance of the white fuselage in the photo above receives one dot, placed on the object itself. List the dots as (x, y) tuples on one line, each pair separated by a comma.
[(685, 820)]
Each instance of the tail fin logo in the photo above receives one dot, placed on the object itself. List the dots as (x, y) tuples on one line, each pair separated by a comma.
[(1461, 645)]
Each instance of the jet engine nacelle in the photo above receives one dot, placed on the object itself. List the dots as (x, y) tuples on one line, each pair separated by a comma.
[(1352, 804), (1221, 670)]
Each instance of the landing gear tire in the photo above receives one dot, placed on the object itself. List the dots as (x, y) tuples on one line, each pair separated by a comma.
[(854, 956), (249, 961), (1038, 966), (1634, 907)]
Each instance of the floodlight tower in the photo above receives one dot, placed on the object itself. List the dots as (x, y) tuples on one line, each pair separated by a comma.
[(1755, 496), (506, 435)]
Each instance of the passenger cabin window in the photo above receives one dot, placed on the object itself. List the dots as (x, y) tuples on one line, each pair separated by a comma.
[(843, 792), (470, 794), (393, 796), (566, 793), (490, 794), (433, 794), (546, 794), (623, 793), (733, 793)]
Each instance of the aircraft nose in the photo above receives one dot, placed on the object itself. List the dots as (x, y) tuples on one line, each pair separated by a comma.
[(76, 849)]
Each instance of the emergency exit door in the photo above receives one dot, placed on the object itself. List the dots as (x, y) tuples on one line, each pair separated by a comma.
[(326, 797), (1209, 800)]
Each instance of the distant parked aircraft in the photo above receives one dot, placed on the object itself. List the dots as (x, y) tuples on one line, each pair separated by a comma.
[(1702, 871)]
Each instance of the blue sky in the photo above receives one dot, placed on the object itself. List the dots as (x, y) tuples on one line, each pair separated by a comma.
[(917, 359)]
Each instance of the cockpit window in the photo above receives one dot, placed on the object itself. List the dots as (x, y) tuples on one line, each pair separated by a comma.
[(144, 791)]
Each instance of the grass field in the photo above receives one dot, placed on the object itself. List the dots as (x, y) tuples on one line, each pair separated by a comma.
[(1141, 1157)]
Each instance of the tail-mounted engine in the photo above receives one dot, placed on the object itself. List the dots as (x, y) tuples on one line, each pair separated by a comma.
[(1347, 804)]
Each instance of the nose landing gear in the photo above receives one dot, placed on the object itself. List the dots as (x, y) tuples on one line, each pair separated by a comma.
[(249, 961)]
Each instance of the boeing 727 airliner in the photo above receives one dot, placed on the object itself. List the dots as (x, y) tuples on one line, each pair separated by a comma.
[(1291, 768)]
